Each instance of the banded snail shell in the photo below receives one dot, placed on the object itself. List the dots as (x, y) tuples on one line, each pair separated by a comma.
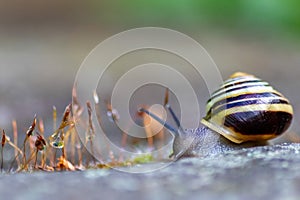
[(246, 108)]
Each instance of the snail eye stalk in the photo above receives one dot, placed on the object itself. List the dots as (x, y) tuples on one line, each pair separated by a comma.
[(168, 106), (178, 131), (165, 124)]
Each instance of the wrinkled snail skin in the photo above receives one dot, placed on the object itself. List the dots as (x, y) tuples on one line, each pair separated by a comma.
[(204, 142), (244, 112)]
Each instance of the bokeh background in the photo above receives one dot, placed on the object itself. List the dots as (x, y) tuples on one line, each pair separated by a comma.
[(42, 44)]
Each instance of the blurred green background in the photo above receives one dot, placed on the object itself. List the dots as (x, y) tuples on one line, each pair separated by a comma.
[(42, 43)]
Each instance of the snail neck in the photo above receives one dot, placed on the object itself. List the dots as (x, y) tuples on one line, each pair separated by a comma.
[(204, 142)]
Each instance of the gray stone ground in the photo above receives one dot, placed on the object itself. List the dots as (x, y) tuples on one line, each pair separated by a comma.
[(38, 67), (270, 172)]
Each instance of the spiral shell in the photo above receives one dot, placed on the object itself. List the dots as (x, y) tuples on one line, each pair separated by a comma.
[(245, 108)]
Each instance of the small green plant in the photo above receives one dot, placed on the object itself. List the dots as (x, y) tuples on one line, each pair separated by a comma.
[(143, 159)]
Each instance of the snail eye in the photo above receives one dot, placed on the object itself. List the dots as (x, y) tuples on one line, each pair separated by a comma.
[(245, 108)]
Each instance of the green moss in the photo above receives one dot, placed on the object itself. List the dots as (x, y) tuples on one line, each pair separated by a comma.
[(143, 159)]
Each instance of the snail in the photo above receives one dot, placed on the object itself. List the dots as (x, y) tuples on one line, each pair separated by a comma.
[(244, 112)]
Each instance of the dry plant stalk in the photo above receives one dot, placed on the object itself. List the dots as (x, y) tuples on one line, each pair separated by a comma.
[(91, 131), (77, 108), (79, 152), (40, 144), (52, 151), (29, 133), (73, 145), (98, 114), (65, 138), (57, 140), (15, 132), (64, 164), (42, 132), (3, 141), (54, 117)]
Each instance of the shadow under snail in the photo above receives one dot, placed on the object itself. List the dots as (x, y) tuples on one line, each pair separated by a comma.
[(244, 112)]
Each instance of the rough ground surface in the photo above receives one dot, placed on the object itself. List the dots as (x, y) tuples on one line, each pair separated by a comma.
[(271, 172)]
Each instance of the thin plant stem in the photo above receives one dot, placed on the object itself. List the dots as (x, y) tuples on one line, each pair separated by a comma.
[(15, 132), (36, 156), (2, 145)]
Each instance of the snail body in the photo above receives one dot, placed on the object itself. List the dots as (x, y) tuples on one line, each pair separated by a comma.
[(244, 112), (204, 142)]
